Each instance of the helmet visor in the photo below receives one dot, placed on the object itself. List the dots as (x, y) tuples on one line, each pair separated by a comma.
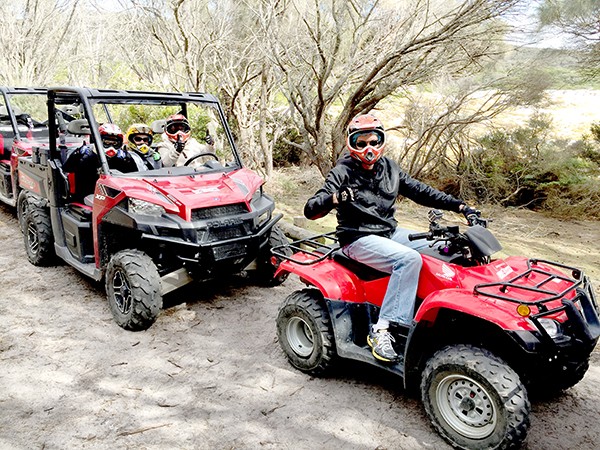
[(359, 140), (175, 127), (112, 141), (141, 139)]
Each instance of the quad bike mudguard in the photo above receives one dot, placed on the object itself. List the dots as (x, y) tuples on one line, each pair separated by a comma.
[(336, 282)]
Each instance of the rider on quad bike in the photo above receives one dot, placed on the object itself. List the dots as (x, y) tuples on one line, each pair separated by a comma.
[(363, 187)]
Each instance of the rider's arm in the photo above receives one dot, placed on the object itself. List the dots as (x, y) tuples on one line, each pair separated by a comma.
[(425, 195), (167, 152), (320, 204)]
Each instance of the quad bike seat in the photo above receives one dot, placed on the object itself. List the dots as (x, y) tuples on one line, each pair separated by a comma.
[(361, 270)]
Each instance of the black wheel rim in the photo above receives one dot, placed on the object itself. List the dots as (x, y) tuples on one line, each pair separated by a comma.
[(121, 292), (32, 239)]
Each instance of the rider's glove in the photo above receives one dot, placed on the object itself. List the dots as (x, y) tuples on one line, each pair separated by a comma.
[(345, 194), (470, 213), (209, 140), (179, 145)]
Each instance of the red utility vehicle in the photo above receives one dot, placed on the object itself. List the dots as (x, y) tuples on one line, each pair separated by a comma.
[(485, 332), (23, 124), (147, 232)]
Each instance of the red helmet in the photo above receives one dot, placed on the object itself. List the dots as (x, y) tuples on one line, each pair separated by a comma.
[(112, 138), (366, 139), (178, 126)]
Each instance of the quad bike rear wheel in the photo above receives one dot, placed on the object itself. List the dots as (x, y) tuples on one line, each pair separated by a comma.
[(474, 399), (38, 237), (265, 269), (305, 332), (133, 290)]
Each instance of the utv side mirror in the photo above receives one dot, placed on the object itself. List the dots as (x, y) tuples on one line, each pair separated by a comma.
[(158, 126), (79, 127)]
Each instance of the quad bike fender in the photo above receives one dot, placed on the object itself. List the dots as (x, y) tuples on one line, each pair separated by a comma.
[(503, 314), (334, 282)]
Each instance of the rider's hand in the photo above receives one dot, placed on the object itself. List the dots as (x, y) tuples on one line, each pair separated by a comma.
[(209, 140), (345, 194), (470, 213), (179, 145)]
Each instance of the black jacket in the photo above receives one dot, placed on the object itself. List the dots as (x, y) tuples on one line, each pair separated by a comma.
[(376, 191)]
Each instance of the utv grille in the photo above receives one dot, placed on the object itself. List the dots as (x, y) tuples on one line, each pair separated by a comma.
[(221, 234), (219, 211)]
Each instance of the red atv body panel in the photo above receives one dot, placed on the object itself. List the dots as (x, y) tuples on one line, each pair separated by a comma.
[(441, 285)]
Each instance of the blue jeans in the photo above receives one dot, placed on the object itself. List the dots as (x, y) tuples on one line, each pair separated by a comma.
[(399, 257)]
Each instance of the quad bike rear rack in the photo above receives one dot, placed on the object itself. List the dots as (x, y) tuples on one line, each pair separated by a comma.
[(313, 249), (585, 317)]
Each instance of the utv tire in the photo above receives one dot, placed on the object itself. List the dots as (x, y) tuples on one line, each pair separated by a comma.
[(474, 399), (133, 290), (38, 237), (265, 270), (23, 202), (305, 332)]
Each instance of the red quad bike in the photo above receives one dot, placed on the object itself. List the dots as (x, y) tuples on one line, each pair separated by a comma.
[(23, 124), (147, 232), (485, 331)]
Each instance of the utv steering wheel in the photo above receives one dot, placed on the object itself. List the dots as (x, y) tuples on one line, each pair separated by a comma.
[(195, 157)]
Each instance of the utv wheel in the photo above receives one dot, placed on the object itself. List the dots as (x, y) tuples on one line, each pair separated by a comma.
[(133, 290), (265, 270), (474, 399), (305, 332), (23, 202), (38, 238)]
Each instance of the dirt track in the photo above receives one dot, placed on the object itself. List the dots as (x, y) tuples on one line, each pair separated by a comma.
[(209, 374)]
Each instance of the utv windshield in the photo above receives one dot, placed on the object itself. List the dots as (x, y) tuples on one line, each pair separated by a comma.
[(166, 138)]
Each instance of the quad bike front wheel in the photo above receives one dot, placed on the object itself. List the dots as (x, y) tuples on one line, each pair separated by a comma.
[(133, 290), (265, 270), (474, 399), (38, 237), (305, 332)]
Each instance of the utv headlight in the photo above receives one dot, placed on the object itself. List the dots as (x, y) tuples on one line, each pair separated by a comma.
[(551, 326), (146, 208)]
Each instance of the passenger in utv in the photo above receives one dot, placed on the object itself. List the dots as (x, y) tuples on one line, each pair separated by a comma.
[(139, 141), (177, 145), (84, 163), (363, 187)]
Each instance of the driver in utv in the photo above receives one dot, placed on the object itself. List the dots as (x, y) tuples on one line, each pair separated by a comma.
[(364, 186), (177, 145)]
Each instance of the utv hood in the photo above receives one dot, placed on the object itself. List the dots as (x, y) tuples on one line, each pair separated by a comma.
[(183, 194)]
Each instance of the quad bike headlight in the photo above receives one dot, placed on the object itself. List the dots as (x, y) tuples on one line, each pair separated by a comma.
[(552, 327), (137, 206)]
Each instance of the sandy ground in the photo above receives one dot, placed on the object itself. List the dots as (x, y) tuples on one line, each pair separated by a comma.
[(209, 373)]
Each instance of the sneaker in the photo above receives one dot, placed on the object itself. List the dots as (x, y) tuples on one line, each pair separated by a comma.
[(380, 342)]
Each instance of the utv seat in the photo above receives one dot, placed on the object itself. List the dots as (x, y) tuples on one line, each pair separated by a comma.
[(361, 270)]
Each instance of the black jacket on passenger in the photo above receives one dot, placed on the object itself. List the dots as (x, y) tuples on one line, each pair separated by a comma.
[(375, 194)]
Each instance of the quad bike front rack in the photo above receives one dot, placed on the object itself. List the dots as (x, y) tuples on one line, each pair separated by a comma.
[(584, 318)]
